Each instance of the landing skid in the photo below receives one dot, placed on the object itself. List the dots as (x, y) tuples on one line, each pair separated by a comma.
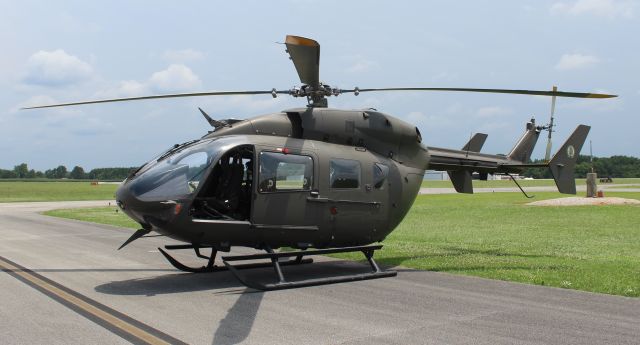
[(211, 267), (368, 252)]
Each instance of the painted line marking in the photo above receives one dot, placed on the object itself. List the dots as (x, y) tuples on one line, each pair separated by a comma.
[(117, 322)]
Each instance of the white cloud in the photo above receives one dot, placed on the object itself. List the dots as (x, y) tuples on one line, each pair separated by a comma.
[(56, 68), (358, 64), (129, 88), (494, 111), (601, 8), (175, 78), (184, 55), (576, 61)]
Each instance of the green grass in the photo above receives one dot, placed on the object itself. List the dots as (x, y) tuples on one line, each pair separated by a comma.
[(497, 236), (110, 215), (524, 183), (494, 235), (19, 191)]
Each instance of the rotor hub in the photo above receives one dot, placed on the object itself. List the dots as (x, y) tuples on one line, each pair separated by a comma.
[(316, 96)]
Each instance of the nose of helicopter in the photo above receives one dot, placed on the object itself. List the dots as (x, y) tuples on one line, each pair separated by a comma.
[(128, 203)]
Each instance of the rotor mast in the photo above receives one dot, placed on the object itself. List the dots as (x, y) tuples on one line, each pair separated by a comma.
[(549, 127)]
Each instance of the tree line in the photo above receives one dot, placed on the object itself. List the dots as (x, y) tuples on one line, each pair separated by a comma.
[(614, 166), (22, 171)]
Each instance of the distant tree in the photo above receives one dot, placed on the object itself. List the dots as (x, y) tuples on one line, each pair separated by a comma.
[(21, 170), (614, 166), (60, 172), (110, 173), (7, 173), (77, 173), (50, 173)]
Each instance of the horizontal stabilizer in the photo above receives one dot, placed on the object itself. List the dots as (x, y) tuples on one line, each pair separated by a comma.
[(563, 164), (475, 143), (461, 180)]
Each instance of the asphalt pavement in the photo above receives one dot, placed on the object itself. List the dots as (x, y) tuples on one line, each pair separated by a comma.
[(64, 282)]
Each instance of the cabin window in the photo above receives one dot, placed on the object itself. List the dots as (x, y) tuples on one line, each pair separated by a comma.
[(380, 173), (344, 173), (285, 172)]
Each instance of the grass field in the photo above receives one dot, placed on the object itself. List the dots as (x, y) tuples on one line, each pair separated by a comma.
[(495, 235), (56, 190), (110, 215), (19, 191)]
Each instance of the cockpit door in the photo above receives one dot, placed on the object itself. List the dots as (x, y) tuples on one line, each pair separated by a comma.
[(225, 196)]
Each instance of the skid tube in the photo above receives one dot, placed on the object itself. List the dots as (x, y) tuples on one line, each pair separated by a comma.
[(368, 252), (211, 266)]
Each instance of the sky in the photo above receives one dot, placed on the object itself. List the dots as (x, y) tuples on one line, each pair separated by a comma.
[(64, 51)]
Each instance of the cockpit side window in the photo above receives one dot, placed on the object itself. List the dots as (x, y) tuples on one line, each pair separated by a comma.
[(284, 172), (344, 173), (380, 173), (197, 163)]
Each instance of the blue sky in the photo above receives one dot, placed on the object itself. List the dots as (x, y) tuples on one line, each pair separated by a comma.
[(75, 50)]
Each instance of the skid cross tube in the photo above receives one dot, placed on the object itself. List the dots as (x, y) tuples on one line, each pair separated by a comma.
[(282, 283)]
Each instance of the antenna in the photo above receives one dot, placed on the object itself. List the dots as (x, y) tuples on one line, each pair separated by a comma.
[(549, 127), (591, 155)]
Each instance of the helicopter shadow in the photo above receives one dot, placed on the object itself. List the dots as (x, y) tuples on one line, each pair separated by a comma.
[(236, 326), (224, 282), (178, 282), (238, 322)]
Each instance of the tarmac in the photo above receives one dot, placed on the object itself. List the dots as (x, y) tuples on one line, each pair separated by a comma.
[(64, 282)]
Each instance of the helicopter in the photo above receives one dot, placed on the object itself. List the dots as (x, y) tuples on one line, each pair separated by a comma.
[(314, 179)]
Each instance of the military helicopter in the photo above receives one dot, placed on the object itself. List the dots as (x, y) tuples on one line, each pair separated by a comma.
[(314, 179)]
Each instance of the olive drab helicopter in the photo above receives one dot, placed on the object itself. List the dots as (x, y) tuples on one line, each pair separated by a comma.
[(314, 179)]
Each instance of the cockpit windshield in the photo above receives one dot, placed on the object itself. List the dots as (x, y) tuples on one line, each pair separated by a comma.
[(177, 174)]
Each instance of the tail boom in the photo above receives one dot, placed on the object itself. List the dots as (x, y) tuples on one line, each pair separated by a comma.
[(461, 164)]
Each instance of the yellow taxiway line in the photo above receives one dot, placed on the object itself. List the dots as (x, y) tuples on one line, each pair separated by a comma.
[(105, 316)]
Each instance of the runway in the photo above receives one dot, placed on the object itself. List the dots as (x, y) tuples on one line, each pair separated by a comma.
[(64, 282)]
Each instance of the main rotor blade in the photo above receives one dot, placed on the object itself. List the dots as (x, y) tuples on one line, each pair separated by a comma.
[(305, 54), (174, 95), (517, 92)]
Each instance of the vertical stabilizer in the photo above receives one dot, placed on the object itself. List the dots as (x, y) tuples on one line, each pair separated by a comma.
[(461, 180), (521, 152), (563, 164), (475, 143)]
